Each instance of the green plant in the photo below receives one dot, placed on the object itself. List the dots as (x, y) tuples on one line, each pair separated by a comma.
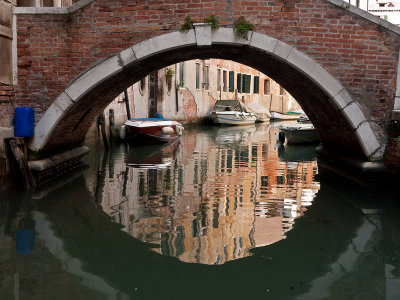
[(169, 74), (242, 27), (69, 17), (345, 6), (187, 25), (212, 20)]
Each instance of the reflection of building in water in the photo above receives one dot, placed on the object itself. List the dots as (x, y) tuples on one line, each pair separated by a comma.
[(219, 198)]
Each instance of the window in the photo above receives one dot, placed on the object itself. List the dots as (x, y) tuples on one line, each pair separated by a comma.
[(197, 76), (281, 90), (239, 82), (206, 82), (267, 86), (224, 80), (256, 89), (218, 79), (246, 80), (181, 74), (231, 81)]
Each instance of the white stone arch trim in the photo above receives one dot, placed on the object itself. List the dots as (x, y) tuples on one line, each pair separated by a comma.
[(202, 36)]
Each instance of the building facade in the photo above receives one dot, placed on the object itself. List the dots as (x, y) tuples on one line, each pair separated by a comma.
[(187, 91)]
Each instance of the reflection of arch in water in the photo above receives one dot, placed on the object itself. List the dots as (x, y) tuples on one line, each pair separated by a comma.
[(124, 263), (70, 264)]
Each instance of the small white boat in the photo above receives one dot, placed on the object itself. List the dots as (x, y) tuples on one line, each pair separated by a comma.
[(287, 116), (232, 112), (155, 129), (297, 134)]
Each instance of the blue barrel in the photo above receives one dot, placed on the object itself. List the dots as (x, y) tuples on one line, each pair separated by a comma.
[(24, 122), (25, 241)]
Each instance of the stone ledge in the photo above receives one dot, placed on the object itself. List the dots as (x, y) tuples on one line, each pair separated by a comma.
[(358, 164), (51, 10)]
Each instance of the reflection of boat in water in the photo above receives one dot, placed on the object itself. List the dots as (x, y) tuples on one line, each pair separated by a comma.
[(232, 112), (229, 134), (151, 129), (297, 153), (297, 134), (152, 156)]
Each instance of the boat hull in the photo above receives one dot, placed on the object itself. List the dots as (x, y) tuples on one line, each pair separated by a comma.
[(152, 131), (300, 134), (233, 118), (278, 116)]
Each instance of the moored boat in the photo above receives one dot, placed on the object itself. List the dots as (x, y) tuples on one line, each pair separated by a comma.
[(297, 134), (232, 112), (285, 116), (155, 129), (303, 119), (262, 113)]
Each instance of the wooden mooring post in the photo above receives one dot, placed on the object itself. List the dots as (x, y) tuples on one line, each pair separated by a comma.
[(19, 151)]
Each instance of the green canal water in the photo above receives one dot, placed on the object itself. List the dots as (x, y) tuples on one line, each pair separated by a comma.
[(225, 213)]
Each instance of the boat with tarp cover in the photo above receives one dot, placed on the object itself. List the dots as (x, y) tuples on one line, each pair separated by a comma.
[(232, 112)]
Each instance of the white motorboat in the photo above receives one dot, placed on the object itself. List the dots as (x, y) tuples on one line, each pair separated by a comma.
[(232, 112), (297, 134), (155, 129)]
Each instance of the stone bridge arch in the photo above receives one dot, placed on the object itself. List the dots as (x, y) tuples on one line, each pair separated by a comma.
[(339, 62), (327, 102)]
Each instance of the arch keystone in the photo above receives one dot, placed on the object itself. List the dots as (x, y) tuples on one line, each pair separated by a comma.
[(203, 34)]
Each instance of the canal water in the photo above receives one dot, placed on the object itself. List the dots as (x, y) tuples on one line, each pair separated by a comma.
[(225, 213)]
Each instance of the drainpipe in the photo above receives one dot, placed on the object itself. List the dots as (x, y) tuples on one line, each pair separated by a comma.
[(126, 99)]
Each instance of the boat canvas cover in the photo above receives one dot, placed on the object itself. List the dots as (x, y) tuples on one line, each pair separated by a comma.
[(230, 105), (258, 108)]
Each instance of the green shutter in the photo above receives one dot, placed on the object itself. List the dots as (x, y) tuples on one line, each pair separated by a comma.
[(246, 83), (256, 84), (239, 82), (231, 81)]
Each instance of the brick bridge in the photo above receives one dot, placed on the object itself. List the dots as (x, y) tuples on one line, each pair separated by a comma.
[(340, 63)]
